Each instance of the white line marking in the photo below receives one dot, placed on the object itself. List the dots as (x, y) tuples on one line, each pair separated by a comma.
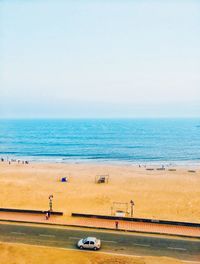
[(43, 235), (17, 233), (183, 249), (188, 261), (75, 238), (109, 241), (142, 245), (42, 240)]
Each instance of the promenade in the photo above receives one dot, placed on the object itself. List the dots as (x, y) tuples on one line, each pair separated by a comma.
[(102, 224)]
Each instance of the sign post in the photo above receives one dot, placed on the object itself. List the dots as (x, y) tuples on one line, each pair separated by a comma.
[(132, 204), (51, 202)]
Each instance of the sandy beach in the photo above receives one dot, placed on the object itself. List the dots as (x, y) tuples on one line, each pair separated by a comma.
[(20, 254), (170, 195)]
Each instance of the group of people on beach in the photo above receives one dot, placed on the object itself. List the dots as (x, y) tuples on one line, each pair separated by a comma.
[(144, 166), (14, 160)]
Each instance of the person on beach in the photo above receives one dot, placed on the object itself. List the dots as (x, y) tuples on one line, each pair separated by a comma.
[(47, 215), (116, 224)]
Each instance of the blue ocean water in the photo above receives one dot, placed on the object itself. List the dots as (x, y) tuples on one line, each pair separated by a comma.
[(106, 140)]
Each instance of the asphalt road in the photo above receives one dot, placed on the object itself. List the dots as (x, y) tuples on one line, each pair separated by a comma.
[(112, 242)]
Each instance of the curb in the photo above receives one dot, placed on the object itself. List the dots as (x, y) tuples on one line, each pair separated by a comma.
[(99, 228), (29, 211)]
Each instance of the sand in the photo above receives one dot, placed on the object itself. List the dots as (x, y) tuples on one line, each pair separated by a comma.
[(170, 195), (25, 254)]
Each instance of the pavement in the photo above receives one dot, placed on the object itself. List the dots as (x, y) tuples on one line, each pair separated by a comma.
[(186, 250), (103, 224)]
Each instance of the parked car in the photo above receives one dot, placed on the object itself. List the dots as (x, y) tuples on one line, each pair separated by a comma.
[(89, 243)]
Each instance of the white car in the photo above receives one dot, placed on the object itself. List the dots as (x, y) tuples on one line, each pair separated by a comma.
[(89, 243)]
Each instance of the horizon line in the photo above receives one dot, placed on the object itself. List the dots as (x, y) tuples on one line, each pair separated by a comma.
[(103, 117)]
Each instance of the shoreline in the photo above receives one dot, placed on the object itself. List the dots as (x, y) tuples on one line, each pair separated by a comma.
[(142, 164), (136, 163)]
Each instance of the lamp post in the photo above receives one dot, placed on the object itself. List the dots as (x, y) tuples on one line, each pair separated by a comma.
[(132, 204), (51, 202)]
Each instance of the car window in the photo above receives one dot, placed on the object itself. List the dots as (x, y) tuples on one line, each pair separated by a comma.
[(86, 243), (91, 243)]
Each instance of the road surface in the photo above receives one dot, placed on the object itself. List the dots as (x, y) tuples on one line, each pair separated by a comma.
[(112, 242)]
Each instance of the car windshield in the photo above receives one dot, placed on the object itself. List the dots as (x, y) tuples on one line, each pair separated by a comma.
[(84, 240)]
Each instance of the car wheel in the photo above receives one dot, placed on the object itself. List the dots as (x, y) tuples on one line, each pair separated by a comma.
[(81, 247), (95, 248)]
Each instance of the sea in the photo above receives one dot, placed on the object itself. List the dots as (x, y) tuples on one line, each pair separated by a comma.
[(132, 141)]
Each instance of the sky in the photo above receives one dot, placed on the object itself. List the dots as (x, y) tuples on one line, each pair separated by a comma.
[(89, 58)]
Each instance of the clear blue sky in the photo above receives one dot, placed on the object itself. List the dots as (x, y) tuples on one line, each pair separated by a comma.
[(99, 58)]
